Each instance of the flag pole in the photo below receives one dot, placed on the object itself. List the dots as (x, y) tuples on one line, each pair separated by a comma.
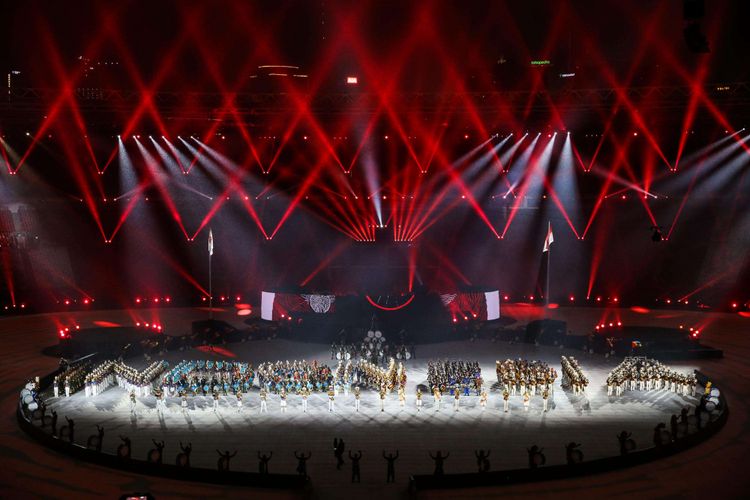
[(549, 251), (210, 281), (211, 292)]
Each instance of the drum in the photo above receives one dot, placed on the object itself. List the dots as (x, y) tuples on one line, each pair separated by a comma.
[(123, 451), (27, 399), (33, 406), (408, 355), (665, 436), (715, 392), (182, 460), (93, 443), (348, 356), (576, 456), (338, 355), (629, 445), (538, 459), (710, 406), (378, 334), (154, 456), (370, 334), (398, 355), (24, 393)]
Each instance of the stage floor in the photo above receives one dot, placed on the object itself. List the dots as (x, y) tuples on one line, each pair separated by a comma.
[(592, 420), (712, 467)]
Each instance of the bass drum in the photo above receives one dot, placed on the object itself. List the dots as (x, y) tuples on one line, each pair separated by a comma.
[(370, 334), (378, 334), (715, 392), (338, 355), (665, 436), (123, 451), (182, 460), (408, 355), (629, 445), (538, 459), (154, 456), (93, 443), (576, 456), (28, 399), (398, 355), (348, 356), (710, 406), (33, 406)]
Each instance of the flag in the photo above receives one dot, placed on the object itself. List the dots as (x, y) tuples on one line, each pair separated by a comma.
[(210, 243), (549, 239)]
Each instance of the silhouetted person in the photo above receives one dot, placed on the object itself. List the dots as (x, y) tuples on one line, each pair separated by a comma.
[(572, 454), (684, 416), (302, 462), (263, 462), (95, 440), (124, 449), (698, 422), (355, 465), (70, 428), (43, 411), (154, 454), (536, 457), (658, 439), (439, 459), (183, 458), (483, 463), (624, 439), (390, 476), (53, 423), (223, 463), (338, 451), (673, 426)]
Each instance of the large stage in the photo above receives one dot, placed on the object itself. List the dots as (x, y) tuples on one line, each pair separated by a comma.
[(593, 422)]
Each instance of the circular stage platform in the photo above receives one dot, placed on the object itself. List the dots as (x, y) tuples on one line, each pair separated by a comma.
[(593, 420)]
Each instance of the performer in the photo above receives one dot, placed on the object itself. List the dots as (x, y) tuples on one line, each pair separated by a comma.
[(439, 459), (391, 472), (216, 400), (545, 396), (305, 392), (239, 401), (436, 396), (331, 395), (526, 399), (355, 465), (263, 462), (483, 399), (456, 397), (419, 399), (283, 400), (263, 404), (356, 398), (132, 401), (184, 401), (506, 395), (159, 399), (401, 396), (382, 398), (302, 462)]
